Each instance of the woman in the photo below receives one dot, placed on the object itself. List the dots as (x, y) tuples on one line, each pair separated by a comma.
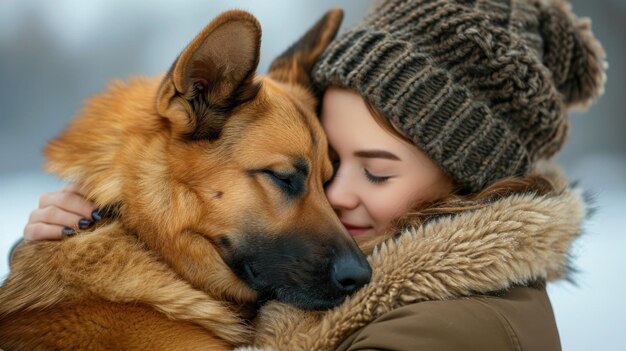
[(438, 114)]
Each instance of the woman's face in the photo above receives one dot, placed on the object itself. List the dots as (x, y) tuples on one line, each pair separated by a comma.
[(378, 175)]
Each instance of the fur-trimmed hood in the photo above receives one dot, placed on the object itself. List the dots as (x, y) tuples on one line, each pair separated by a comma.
[(512, 241)]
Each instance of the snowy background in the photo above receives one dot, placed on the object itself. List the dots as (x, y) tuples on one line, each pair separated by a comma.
[(53, 54)]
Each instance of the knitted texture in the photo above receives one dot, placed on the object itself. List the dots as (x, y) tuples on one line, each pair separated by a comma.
[(481, 86)]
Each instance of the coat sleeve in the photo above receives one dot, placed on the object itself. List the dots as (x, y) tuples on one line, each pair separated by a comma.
[(437, 325)]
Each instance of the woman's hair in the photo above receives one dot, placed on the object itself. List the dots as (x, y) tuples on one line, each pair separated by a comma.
[(455, 203)]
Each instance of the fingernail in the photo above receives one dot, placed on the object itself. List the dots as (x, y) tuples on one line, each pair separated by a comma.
[(96, 215), (84, 223), (67, 231)]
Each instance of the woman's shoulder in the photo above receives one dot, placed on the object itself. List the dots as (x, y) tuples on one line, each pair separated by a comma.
[(518, 319)]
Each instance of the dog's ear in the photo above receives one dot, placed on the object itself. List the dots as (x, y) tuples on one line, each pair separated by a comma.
[(294, 65), (212, 75)]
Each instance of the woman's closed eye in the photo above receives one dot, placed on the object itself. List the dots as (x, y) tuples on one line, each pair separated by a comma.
[(375, 179)]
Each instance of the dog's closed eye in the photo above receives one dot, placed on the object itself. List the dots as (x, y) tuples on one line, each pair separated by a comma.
[(293, 183)]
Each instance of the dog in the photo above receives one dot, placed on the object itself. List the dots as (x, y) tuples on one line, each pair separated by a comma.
[(215, 177)]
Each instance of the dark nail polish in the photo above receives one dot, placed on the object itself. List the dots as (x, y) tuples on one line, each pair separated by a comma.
[(67, 231), (96, 215), (84, 223)]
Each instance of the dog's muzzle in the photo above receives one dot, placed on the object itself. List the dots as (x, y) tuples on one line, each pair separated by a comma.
[(309, 274)]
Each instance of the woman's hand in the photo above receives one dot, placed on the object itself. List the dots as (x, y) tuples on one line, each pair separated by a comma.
[(60, 214)]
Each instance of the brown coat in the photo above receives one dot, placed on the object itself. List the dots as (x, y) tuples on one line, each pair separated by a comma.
[(468, 282), (519, 319)]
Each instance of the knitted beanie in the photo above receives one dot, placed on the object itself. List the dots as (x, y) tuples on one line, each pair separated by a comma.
[(481, 86)]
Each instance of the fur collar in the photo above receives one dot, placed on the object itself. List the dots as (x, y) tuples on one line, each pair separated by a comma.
[(511, 241)]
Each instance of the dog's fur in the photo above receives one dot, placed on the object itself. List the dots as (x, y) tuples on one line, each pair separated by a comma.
[(215, 177)]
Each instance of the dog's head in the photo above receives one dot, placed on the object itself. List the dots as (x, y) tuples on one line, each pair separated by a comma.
[(251, 157), (221, 171)]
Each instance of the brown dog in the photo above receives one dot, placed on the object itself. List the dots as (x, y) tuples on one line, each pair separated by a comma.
[(217, 180)]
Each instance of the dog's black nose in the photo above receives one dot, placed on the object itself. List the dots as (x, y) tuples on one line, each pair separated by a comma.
[(350, 274)]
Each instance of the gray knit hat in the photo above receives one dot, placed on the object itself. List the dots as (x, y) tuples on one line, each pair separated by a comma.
[(482, 86)]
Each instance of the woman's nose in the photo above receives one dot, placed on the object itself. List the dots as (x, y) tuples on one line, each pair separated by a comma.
[(341, 193)]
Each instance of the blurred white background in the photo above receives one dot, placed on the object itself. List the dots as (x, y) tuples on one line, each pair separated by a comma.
[(53, 54)]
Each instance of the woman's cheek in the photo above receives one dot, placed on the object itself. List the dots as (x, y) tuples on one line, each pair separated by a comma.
[(388, 208), (398, 200)]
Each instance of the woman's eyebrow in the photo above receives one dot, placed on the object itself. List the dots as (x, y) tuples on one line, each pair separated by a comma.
[(376, 154)]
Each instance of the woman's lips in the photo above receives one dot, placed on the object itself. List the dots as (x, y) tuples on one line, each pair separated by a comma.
[(355, 230)]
